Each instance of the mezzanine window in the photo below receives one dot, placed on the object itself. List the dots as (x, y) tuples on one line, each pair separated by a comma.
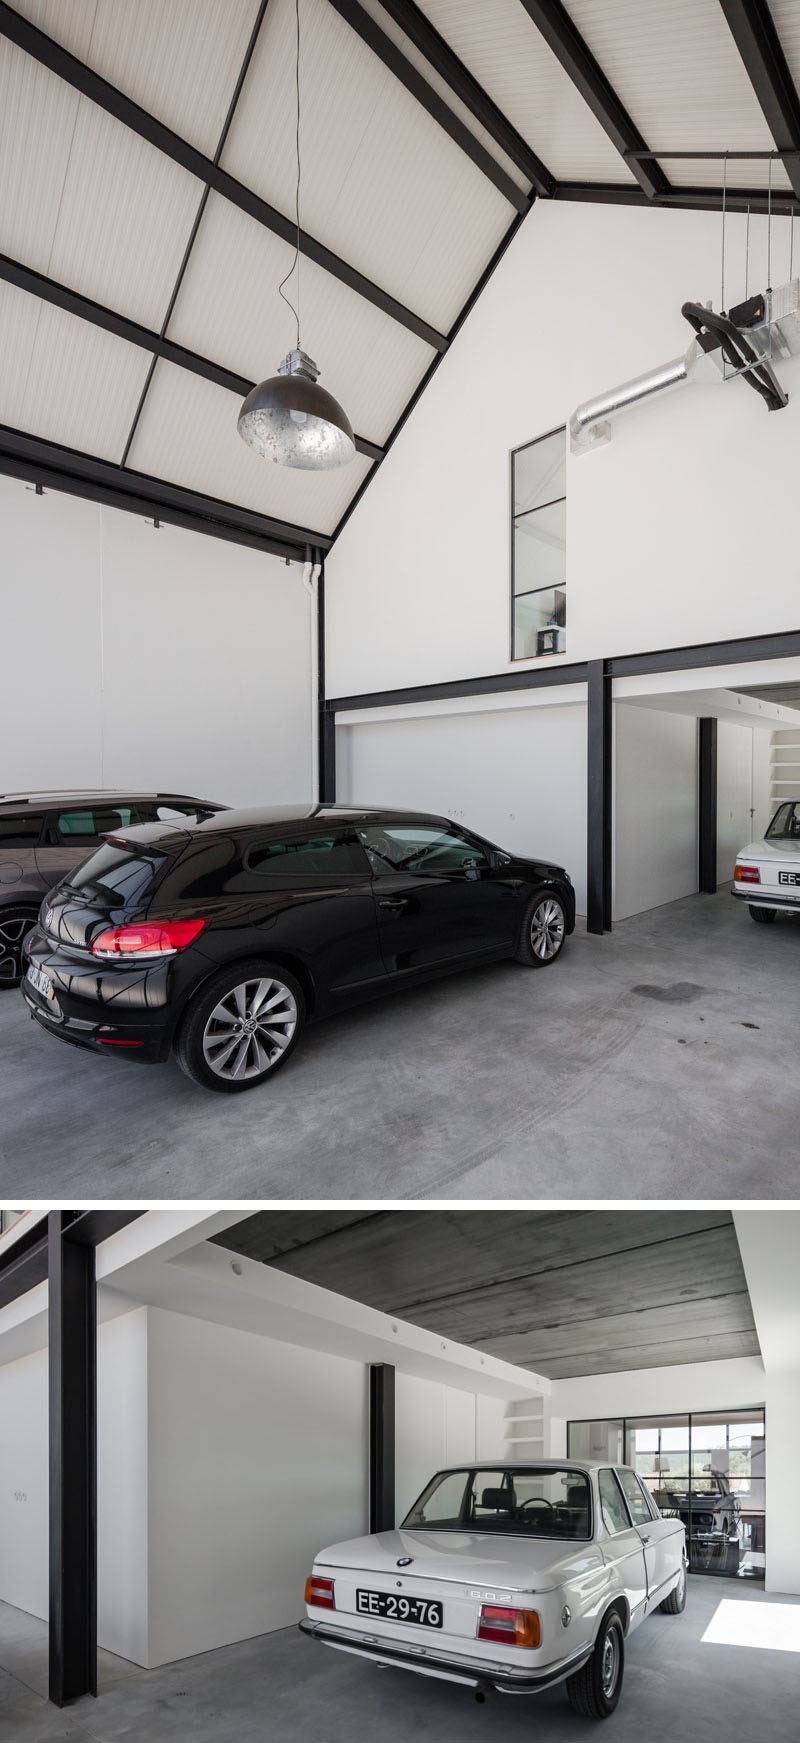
[(538, 541)]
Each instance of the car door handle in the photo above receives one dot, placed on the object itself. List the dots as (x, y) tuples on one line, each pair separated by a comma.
[(645, 1536), (397, 904)]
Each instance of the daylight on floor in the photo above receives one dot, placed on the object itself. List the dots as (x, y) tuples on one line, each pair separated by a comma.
[(399, 867)]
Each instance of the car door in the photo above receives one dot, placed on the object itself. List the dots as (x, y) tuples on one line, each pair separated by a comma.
[(622, 1544), (69, 835), (441, 895), (314, 896), (661, 1539)]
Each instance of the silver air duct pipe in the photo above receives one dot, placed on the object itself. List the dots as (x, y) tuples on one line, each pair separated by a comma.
[(589, 426)]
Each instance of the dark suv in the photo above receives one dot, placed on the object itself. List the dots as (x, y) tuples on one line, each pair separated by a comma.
[(219, 937), (43, 836)]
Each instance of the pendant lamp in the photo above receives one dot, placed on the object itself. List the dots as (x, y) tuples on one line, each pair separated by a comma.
[(289, 418)]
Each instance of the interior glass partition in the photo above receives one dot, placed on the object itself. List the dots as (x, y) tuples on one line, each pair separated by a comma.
[(706, 1469)]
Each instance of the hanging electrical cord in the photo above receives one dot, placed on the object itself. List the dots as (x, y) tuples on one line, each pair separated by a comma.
[(296, 261)]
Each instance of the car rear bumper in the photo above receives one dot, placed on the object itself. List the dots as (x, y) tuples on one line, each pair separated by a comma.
[(757, 897), (128, 1040), (427, 1661), (111, 1010)]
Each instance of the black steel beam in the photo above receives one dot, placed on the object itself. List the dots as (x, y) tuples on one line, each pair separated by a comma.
[(555, 25), (327, 758), (393, 58), (728, 653), (323, 728), (37, 285), (59, 468), (686, 199), (446, 63), (756, 38), (381, 1447), (87, 1228), (707, 804), (599, 815), (72, 1344), (81, 77), (529, 678), (23, 1262)]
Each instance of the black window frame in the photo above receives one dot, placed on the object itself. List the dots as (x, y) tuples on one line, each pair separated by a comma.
[(515, 658)]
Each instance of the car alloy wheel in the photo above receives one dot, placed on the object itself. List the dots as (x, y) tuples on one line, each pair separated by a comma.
[(547, 929), (249, 1030), (15, 925)]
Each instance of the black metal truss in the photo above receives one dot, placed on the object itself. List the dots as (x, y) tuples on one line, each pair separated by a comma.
[(683, 199), (555, 25), (111, 321), (446, 63), (60, 468), (81, 77), (397, 63), (756, 38)]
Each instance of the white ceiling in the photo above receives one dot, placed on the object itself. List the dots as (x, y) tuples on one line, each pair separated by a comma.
[(87, 202)]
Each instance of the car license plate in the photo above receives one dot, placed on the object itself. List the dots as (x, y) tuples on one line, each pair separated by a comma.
[(41, 981), (789, 877), (427, 1612)]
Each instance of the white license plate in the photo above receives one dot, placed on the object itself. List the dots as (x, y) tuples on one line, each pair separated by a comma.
[(400, 1609), (41, 981)]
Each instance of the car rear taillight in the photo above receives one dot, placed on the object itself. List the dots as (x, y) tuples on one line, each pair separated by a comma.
[(510, 1627), (320, 1592), (746, 874), (148, 938)]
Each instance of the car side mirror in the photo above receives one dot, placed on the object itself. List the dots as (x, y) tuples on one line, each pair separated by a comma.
[(499, 859)]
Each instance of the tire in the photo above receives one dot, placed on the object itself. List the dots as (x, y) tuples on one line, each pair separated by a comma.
[(595, 1689), (223, 1043), (675, 1604), (763, 915), (15, 924), (543, 930)]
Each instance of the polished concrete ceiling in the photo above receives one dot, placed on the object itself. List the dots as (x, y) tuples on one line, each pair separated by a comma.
[(561, 1292)]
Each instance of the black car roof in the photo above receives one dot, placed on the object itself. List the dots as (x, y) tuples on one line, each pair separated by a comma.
[(268, 821)]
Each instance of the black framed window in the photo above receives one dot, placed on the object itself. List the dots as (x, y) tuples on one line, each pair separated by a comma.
[(538, 547)]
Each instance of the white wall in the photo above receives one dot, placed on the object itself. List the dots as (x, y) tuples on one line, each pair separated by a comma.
[(436, 1426), (24, 1483), (743, 791), (142, 657), (677, 531), (257, 1458), (783, 1442), (122, 1485), (516, 775), (655, 838)]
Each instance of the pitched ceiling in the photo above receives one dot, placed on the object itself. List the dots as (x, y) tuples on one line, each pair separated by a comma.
[(147, 194), (561, 1292)]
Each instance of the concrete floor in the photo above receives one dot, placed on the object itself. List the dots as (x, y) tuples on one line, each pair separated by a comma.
[(656, 1062), (281, 1685)]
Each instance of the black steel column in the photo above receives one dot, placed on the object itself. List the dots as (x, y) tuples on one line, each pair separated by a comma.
[(381, 1447), (707, 804), (73, 1463), (599, 825), (321, 746)]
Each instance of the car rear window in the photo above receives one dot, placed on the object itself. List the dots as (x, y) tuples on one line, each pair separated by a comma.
[(22, 831), (542, 1501), (785, 825), (116, 875)]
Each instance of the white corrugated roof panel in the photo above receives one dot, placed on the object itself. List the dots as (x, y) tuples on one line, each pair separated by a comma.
[(187, 433), (178, 60), (506, 54), (682, 80), (63, 379), (228, 308), (383, 185), (83, 199)]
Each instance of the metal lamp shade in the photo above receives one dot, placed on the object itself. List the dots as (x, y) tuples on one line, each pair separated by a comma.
[(291, 420)]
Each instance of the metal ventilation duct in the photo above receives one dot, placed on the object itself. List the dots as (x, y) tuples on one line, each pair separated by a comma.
[(742, 343)]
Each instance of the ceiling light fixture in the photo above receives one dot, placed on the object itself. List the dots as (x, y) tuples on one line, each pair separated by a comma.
[(289, 418)]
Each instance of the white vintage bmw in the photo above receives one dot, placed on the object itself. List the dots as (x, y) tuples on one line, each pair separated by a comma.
[(767, 873), (509, 1577)]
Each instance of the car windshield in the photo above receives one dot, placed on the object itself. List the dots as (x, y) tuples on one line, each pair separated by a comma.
[(539, 1501), (785, 825), (116, 876)]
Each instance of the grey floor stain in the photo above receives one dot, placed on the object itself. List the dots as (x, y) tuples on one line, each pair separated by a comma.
[(681, 992)]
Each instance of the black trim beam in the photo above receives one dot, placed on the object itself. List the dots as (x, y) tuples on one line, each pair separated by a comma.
[(784, 645), (683, 199), (23, 1262), (566, 43), (446, 63), (74, 72), (753, 31), (530, 678), (393, 59), (59, 468), (381, 1447), (326, 730), (62, 297), (707, 803), (599, 814), (72, 1362)]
